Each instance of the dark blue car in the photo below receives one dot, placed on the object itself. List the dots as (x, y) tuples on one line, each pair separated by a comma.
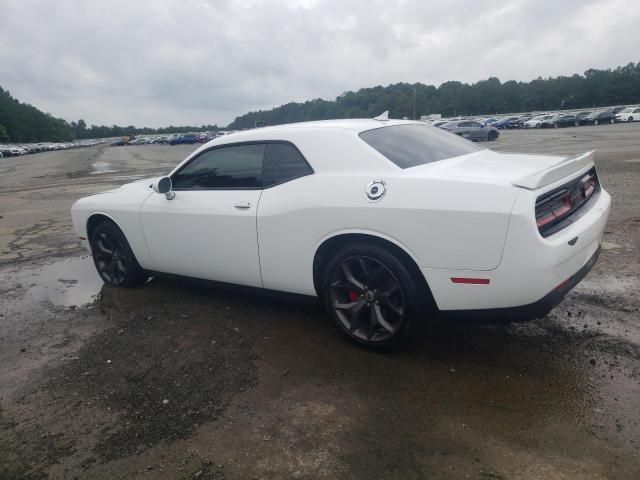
[(186, 138), (503, 122)]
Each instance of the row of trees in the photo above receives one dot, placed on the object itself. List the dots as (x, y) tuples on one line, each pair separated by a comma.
[(595, 88), (21, 122)]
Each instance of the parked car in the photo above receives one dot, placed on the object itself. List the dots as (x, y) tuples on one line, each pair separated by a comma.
[(503, 122), (186, 138), (562, 120), (470, 130), (518, 122), (390, 222), (534, 122), (629, 114), (119, 143), (140, 141), (583, 114), (487, 121), (598, 117)]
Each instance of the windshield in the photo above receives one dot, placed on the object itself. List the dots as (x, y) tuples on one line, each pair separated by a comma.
[(411, 145)]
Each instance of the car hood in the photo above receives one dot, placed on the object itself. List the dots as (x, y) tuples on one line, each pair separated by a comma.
[(489, 166), (136, 185)]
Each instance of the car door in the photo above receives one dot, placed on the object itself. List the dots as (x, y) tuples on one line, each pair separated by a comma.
[(208, 229), (477, 131), (463, 130)]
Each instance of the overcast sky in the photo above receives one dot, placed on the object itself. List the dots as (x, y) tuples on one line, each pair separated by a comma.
[(161, 62)]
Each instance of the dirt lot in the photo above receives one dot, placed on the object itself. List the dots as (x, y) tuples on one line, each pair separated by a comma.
[(183, 380)]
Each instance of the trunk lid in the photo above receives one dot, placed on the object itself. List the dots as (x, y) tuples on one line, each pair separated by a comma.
[(521, 170)]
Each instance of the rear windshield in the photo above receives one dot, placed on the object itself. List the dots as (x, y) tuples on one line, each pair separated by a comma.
[(411, 145)]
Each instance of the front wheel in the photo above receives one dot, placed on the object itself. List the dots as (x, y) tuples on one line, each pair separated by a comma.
[(612, 121), (492, 136), (371, 295), (113, 258), (596, 122)]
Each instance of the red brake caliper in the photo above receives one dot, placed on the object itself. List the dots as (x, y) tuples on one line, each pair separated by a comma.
[(353, 296)]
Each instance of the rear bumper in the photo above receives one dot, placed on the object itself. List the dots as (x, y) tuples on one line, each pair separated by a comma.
[(531, 311), (531, 269)]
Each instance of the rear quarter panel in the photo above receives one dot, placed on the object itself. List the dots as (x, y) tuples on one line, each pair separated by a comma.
[(440, 223)]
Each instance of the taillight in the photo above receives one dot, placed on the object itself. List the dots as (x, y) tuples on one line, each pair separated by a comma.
[(588, 185), (554, 208)]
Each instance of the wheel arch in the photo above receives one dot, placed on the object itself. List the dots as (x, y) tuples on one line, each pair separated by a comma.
[(96, 218), (330, 245)]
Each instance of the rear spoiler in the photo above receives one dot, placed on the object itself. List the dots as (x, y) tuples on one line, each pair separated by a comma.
[(557, 172)]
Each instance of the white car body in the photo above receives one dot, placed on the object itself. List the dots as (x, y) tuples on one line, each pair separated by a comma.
[(467, 222), (630, 114)]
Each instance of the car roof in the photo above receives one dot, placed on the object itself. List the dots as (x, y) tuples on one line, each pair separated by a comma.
[(356, 125)]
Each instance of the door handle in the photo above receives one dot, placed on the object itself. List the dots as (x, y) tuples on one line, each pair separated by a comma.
[(243, 205)]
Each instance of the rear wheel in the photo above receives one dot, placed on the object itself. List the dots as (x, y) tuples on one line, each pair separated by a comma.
[(630, 119), (595, 122), (612, 121), (113, 257), (492, 136), (371, 295), (555, 125), (576, 123)]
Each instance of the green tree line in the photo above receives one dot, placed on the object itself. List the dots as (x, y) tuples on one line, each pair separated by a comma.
[(21, 122), (595, 88)]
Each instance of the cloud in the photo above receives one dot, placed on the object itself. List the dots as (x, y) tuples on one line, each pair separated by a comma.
[(207, 61)]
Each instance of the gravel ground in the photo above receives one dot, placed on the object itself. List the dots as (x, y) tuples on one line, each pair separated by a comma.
[(182, 379)]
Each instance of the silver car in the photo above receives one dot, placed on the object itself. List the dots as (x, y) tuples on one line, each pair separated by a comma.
[(471, 130)]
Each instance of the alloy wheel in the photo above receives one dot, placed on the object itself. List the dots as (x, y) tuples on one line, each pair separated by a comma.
[(367, 298), (110, 258)]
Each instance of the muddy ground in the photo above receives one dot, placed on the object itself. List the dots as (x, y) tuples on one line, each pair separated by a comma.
[(183, 380)]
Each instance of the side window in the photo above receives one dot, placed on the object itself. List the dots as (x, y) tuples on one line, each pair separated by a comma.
[(283, 162), (238, 166), (475, 124)]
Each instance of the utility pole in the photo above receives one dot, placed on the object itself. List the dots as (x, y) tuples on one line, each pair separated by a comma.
[(414, 102)]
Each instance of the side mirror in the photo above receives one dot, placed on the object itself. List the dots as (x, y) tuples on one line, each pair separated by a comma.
[(163, 185)]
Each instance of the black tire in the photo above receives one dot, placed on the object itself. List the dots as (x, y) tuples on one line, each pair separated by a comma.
[(371, 295), (115, 262), (630, 119), (492, 136), (612, 121), (576, 124), (555, 125), (596, 122)]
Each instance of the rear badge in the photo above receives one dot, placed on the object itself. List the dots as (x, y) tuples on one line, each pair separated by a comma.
[(375, 190)]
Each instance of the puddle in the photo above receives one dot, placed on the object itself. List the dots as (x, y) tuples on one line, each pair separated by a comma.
[(64, 283), (102, 167)]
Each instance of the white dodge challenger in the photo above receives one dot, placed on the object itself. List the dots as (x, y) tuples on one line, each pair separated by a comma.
[(388, 221)]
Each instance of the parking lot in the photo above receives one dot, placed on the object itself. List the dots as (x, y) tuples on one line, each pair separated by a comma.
[(187, 380)]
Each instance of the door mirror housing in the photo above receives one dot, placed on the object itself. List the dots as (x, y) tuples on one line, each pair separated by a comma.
[(163, 186)]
